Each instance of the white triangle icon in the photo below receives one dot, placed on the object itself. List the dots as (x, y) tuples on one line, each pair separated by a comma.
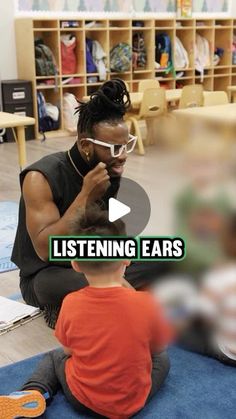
[(117, 209)]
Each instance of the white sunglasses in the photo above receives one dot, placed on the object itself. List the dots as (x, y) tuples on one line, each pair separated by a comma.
[(117, 149)]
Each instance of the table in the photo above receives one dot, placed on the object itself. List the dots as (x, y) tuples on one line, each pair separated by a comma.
[(220, 119), (10, 120), (172, 95), (220, 114)]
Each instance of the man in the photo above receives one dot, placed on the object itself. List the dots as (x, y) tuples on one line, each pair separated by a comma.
[(55, 187)]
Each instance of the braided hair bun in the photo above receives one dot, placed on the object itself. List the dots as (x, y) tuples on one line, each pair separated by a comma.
[(109, 103)]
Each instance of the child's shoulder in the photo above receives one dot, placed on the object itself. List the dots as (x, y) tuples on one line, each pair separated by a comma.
[(73, 296), (144, 297)]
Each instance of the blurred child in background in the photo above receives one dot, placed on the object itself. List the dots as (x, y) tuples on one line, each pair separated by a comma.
[(200, 294), (213, 332), (204, 204)]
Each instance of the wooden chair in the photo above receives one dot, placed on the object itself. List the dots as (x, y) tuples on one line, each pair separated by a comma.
[(191, 96), (148, 84), (153, 106), (215, 98)]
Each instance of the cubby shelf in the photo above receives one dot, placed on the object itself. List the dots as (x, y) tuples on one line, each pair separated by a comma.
[(110, 32)]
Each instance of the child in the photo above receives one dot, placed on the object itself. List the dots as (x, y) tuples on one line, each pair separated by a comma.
[(113, 339), (203, 205), (214, 331)]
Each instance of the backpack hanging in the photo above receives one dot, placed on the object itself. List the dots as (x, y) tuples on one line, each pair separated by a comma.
[(181, 55), (90, 65), (68, 57), (139, 55), (45, 62), (120, 57), (99, 56), (163, 55), (48, 115), (202, 55), (70, 118)]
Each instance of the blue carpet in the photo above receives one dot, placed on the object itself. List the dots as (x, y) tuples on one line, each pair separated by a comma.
[(197, 388), (8, 224)]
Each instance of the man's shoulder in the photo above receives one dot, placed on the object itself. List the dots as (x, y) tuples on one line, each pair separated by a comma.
[(51, 163), (52, 159)]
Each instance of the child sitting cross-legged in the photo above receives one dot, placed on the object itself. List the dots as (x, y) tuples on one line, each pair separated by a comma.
[(113, 359)]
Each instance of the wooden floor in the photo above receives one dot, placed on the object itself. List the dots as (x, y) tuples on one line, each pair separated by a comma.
[(158, 172)]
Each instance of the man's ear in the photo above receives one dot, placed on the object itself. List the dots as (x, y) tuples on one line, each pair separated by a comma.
[(75, 266), (86, 147)]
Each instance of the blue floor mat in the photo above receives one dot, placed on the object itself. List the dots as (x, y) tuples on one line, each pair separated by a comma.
[(197, 388), (8, 224)]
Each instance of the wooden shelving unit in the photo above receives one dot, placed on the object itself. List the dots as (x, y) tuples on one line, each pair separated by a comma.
[(219, 33)]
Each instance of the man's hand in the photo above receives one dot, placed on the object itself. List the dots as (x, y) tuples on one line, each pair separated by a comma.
[(96, 183)]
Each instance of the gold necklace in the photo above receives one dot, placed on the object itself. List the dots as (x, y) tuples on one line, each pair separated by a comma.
[(73, 164)]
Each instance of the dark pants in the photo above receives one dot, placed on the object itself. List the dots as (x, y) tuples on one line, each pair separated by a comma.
[(52, 284), (198, 338), (49, 377)]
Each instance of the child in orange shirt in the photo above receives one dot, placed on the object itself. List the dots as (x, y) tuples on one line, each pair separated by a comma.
[(113, 359)]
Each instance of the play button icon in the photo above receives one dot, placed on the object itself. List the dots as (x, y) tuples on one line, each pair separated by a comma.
[(117, 209), (125, 199)]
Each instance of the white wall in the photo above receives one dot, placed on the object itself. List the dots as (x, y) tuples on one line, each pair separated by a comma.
[(233, 8), (8, 67)]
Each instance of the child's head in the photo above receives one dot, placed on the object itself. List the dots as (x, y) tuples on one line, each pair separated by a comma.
[(229, 236), (94, 222)]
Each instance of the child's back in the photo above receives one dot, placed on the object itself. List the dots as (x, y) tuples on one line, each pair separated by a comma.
[(112, 333), (113, 360)]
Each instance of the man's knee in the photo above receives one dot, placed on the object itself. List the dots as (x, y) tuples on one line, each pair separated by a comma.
[(53, 284), (45, 293)]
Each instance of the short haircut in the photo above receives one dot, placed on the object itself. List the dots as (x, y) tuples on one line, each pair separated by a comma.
[(93, 221), (108, 104)]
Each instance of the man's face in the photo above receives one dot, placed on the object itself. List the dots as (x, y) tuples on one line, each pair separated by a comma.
[(110, 134)]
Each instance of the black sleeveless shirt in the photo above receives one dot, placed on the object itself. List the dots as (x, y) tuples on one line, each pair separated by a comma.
[(65, 182)]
